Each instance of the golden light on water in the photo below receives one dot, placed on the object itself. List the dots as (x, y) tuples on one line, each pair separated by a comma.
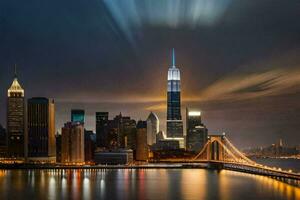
[(267, 184), (146, 183)]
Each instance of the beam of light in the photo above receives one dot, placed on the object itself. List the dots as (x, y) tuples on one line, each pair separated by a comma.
[(131, 15)]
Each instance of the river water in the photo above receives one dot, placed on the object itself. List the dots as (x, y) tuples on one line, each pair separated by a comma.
[(142, 184)]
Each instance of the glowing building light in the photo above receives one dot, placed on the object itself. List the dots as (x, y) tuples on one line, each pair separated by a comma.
[(194, 113)]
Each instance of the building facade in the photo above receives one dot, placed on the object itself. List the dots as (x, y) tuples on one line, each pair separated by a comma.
[(102, 129), (152, 128), (77, 115), (72, 149), (89, 146), (41, 129), (196, 135), (16, 120), (58, 147), (174, 120), (142, 149), (2, 136), (116, 157)]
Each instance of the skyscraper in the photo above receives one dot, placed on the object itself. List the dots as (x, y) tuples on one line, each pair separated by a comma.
[(102, 129), (15, 119), (174, 120), (152, 128), (77, 115), (141, 146), (41, 129), (89, 146), (2, 136), (125, 127), (196, 136), (58, 147), (72, 149)]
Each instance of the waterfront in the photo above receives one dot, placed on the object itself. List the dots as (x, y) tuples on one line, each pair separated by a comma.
[(141, 184), (283, 163)]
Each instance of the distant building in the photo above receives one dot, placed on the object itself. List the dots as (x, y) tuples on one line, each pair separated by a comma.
[(58, 147), (125, 127), (41, 129), (3, 147), (196, 132), (89, 146), (174, 120), (72, 150), (152, 128), (77, 115), (166, 145), (2, 136), (128, 133), (142, 149), (160, 136), (102, 129), (16, 120), (120, 132), (116, 157)]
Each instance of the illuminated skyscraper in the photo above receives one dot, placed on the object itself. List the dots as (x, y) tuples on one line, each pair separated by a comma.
[(174, 120), (41, 129), (77, 116), (15, 119), (196, 132), (152, 128)]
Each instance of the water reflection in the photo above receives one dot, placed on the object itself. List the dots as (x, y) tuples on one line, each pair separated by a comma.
[(141, 184)]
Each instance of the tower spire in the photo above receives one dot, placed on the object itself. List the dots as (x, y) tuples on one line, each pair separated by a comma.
[(173, 57)]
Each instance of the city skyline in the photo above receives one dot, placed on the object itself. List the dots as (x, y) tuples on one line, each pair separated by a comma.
[(232, 63), (149, 99)]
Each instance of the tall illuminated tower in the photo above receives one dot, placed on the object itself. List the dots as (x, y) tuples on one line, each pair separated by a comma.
[(174, 120), (15, 119)]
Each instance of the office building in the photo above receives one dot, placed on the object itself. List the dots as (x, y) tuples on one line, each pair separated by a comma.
[(77, 115), (160, 136), (166, 145), (128, 133), (41, 129), (72, 149), (16, 120), (152, 128), (89, 146), (115, 157), (58, 147), (2, 136), (102, 129), (125, 127), (142, 150), (196, 132), (174, 120)]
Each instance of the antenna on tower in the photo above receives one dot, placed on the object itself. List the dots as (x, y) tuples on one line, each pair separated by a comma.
[(173, 57)]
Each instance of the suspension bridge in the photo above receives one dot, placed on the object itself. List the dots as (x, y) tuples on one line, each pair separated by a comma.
[(220, 153)]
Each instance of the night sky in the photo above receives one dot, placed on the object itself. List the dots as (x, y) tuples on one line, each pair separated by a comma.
[(239, 60)]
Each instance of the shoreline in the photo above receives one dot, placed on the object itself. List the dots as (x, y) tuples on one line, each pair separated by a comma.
[(151, 166)]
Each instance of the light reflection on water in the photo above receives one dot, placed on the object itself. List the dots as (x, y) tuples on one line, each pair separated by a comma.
[(141, 184)]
